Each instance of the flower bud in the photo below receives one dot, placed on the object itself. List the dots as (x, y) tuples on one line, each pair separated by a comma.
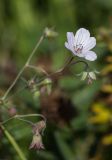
[(12, 111), (37, 142), (84, 76), (92, 75), (50, 33), (46, 86), (36, 95), (39, 127)]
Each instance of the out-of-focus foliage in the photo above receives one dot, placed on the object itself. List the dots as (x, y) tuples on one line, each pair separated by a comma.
[(79, 116)]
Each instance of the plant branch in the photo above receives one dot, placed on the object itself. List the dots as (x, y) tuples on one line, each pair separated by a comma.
[(69, 62), (20, 117), (39, 69), (14, 143), (31, 115), (25, 65), (81, 61)]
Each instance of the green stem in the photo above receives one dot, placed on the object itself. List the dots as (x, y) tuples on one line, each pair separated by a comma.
[(25, 65), (14, 143), (1, 123), (30, 115), (19, 117), (34, 50), (38, 69), (24, 120)]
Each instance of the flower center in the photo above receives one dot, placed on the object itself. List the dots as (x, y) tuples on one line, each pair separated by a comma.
[(78, 48)]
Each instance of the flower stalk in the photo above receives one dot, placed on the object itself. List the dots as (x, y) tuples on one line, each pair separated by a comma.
[(14, 143), (25, 65), (20, 117)]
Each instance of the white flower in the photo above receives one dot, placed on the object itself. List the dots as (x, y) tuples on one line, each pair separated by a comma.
[(81, 44)]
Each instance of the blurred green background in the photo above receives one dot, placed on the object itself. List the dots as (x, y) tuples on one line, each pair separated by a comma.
[(79, 116)]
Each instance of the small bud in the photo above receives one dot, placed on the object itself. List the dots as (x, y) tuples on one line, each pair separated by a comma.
[(12, 111), (36, 94), (39, 127), (84, 76), (92, 75), (47, 81), (50, 33), (46, 86), (32, 85), (37, 142)]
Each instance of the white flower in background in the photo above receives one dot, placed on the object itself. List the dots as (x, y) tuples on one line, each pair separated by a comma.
[(81, 44)]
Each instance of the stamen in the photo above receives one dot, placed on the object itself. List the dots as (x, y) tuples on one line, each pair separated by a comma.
[(78, 48)]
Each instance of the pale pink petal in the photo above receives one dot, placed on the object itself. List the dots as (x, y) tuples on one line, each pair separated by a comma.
[(89, 44), (82, 35), (80, 55), (67, 45), (70, 38), (91, 56)]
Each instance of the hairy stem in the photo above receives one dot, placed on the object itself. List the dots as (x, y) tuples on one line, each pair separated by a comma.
[(25, 65), (69, 62), (39, 69), (30, 115), (14, 143), (81, 61), (20, 117)]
